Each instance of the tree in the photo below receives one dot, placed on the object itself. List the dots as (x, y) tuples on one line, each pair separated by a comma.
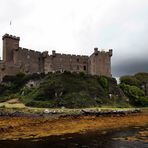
[(134, 94), (130, 80)]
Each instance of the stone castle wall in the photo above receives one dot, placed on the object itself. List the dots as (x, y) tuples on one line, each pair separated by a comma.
[(29, 61), (100, 63), (61, 62), (17, 59)]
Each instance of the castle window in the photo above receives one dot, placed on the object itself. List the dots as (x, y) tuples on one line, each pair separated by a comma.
[(84, 67), (77, 60)]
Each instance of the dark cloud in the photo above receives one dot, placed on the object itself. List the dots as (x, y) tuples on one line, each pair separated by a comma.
[(130, 66)]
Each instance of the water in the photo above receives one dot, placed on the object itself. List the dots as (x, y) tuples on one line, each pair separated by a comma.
[(93, 139)]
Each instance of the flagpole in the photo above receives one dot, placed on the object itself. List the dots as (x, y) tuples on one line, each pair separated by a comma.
[(10, 24)]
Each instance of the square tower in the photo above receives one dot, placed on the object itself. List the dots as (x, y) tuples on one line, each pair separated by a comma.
[(9, 44)]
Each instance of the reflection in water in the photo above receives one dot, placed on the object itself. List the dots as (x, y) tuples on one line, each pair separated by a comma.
[(127, 138)]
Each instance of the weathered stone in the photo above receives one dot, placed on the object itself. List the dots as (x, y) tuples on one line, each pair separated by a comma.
[(17, 59)]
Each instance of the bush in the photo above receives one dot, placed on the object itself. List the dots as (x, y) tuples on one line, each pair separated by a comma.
[(103, 82), (77, 100), (143, 101), (44, 104), (62, 89), (130, 80), (133, 93), (142, 77), (81, 74)]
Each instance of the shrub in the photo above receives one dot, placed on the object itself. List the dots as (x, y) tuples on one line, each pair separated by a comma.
[(143, 101), (133, 93), (77, 100), (44, 104), (130, 80), (103, 81)]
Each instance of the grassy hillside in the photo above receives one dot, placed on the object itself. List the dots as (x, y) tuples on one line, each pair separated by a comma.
[(66, 89)]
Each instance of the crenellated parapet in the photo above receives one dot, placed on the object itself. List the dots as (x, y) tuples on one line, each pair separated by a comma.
[(17, 59), (28, 51), (54, 54), (110, 52), (102, 52), (11, 37), (45, 54), (100, 62)]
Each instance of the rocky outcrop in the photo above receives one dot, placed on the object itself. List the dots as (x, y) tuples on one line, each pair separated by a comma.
[(83, 112), (110, 113)]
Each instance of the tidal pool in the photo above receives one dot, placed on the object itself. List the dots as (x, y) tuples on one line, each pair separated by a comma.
[(133, 137)]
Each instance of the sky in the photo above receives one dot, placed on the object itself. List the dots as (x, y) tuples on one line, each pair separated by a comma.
[(78, 26)]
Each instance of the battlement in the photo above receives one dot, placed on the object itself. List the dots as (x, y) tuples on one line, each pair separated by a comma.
[(68, 55), (102, 52), (110, 52), (28, 50), (11, 37), (17, 59), (45, 54)]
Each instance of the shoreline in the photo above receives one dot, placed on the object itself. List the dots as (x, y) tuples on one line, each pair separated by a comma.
[(14, 128), (6, 112)]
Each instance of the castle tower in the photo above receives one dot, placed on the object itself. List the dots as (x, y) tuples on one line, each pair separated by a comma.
[(100, 62), (9, 44)]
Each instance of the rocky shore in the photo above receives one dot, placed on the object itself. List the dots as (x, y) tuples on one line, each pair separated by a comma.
[(18, 125), (81, 112)]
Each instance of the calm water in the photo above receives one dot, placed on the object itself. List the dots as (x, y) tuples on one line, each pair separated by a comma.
[(111, 139)]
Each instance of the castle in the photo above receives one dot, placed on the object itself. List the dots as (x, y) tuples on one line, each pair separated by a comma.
[(17, 59)]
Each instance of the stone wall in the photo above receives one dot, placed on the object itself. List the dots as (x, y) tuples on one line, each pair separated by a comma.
[(17, 59), (66, 62), (100, 62), (9, 44), (29, 61)]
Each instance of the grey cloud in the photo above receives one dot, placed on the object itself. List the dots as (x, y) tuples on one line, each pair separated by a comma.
[(82, 25), (14, 10), (130, 66)]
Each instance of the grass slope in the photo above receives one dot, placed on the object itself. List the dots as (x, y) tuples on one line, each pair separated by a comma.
[(66, 89)]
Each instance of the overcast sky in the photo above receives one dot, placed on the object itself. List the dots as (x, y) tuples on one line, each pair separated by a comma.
[(77, 26)]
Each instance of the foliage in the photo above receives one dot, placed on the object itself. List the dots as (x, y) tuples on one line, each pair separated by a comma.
[(130, 80), (71, 90), (144, 101), (103, 82), (13, 84), (136, 88), (135, 94), (77, 100), (142, 77)]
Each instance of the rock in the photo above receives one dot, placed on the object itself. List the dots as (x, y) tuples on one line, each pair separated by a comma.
[(63, 107), (46, 111), (109, 113)]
